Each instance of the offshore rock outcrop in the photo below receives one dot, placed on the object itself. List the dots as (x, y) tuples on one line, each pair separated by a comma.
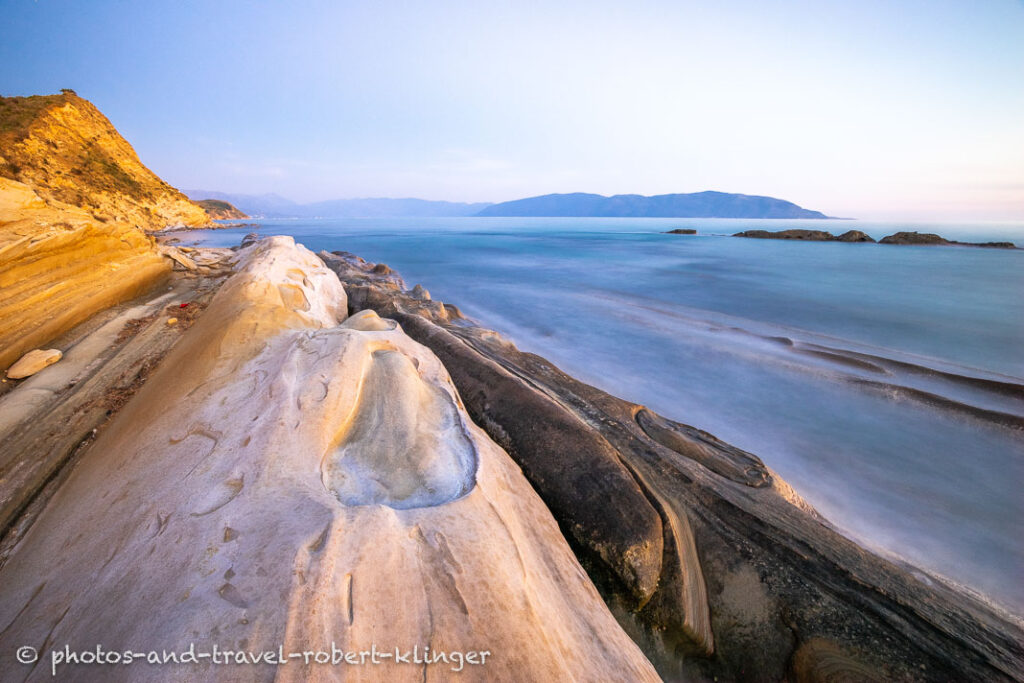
[(289, 476), (931, 239), (709, 560)]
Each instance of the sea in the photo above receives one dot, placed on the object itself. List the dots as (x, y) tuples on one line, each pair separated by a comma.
[(884, 383)]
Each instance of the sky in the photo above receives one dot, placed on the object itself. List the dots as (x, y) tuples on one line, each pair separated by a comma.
[(882, 110)]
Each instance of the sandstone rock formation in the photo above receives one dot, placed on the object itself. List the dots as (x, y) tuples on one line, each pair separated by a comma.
[(709, 560), (59, 265), (290, 477), (69, 153)]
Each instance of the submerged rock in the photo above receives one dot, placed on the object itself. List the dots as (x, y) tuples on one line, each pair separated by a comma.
[(312, 482), (32, 362)]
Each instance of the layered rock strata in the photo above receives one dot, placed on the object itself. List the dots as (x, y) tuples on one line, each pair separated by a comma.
[(59, 265), (291, 477)]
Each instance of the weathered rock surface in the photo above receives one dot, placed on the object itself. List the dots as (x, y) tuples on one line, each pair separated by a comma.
[(69, 153), (32, 362), (289, 477), (709, 560), (59, 265), (681, 231)]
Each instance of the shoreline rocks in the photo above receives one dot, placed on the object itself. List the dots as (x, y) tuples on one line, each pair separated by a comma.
[(749, 582), (681, 231), (292, 475)]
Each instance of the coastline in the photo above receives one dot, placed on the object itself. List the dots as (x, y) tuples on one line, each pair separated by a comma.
[(727, 545)]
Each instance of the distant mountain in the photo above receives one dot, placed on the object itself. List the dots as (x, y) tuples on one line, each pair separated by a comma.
[(275, 206), (695, 205)]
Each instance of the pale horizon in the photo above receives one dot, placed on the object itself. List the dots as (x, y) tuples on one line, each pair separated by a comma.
[(875, 111)]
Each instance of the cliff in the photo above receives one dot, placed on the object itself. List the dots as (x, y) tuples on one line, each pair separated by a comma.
[(220, 210), (693, 205), (70, 154), (75, 202), (59, 265)]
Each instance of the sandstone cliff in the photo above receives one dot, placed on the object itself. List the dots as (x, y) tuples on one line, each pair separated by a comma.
[(59, 265), (75, 202), (69, 153)]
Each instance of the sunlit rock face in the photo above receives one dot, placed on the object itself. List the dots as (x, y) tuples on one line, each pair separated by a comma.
[(69, 153), (59, 265), (287, 477)]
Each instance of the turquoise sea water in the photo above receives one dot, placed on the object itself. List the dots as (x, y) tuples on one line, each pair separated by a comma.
[(883, 382)]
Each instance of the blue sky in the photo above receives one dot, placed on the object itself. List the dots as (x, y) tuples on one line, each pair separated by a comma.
[(884, 110)]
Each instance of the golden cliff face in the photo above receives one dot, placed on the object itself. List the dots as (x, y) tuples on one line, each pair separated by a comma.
[(59, 265), (69, 153)]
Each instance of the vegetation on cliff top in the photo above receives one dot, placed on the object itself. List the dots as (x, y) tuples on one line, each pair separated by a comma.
[(69, 152)]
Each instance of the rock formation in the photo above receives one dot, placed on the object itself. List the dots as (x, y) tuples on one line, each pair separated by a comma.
[(70, 154), (854, 236), (59, 265), (75, 202), (806, 235), (931, 239), (709, 560), (287, 476), (681, 231)]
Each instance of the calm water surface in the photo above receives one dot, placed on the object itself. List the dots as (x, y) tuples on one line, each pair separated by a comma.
[(738, 337)]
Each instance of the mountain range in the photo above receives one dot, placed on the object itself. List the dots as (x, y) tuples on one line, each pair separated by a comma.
[(276, 206), (693, 205)]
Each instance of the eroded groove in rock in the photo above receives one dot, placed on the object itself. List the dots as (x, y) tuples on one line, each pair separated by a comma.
[(406, 446)]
